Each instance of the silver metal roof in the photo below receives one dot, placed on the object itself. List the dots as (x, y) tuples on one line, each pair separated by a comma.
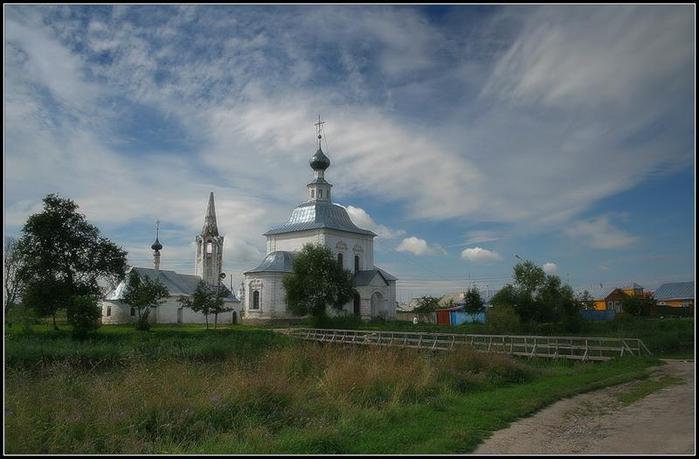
[(318, 214), (279, 261), (176, 284), (362, 278), (675, 291)]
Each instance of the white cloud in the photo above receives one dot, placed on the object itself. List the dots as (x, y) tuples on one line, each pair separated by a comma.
[(419, 247), (550, 267), (478, 254), (362, 219), (600, 233)]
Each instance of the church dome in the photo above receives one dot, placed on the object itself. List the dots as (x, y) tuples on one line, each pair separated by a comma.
[(156, 245), (320, 162)]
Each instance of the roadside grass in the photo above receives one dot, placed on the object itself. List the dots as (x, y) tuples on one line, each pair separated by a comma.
[(647, 387), (181, 389)]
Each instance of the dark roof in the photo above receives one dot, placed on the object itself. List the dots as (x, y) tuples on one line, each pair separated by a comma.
[(176, 284), (279, 261), (210, 228), (675, 291), (318, 214), (362, 278)]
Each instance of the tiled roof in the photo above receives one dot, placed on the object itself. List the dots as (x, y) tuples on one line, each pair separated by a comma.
[(318, 214), (675, 291)]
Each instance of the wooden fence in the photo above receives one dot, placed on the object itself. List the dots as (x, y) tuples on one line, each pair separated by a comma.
[(566, 347)]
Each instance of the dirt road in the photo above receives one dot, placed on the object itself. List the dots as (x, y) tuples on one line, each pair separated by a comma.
[(597, 422)]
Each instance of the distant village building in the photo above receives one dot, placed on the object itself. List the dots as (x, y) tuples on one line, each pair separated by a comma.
[(675, 295), (613, 298), (320, 221), (208, 264)]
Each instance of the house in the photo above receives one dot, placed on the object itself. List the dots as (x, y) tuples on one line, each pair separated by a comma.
[(675, 295), (613, 298)]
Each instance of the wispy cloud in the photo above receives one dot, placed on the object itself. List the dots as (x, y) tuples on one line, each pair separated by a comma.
[(478, 254), (600, 233)]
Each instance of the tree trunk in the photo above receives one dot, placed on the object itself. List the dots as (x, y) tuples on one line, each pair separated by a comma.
[(206, 317), (55, 327), (215, 320)]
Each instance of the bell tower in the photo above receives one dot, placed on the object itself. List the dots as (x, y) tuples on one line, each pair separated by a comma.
[(209, 259)]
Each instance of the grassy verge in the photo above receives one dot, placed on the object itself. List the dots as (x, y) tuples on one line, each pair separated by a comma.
[(249, 391), (647, 387)]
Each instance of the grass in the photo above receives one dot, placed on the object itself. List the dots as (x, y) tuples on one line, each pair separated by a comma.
[(180, 389), (647, 387)]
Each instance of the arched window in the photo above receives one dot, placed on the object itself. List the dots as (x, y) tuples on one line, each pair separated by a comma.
[(255, 300), (339, 259), (313, 194), (320, 194), (356, 263), (209, 247), (109, 311), (133, 312)]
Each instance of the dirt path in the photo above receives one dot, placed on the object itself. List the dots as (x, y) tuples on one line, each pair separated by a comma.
[(597, 422)]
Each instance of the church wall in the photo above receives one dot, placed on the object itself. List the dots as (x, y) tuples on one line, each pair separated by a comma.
[(292, 242), (357, 244), (166, 313)]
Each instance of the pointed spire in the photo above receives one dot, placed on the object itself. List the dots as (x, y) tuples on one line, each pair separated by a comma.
[(210, 228)]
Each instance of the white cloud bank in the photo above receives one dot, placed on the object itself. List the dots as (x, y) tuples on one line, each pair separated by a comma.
[(550, 267), (419, 247), (478, 255), (600, 233)]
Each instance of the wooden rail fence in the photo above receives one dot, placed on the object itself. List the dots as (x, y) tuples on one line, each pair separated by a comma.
[(566, 347)]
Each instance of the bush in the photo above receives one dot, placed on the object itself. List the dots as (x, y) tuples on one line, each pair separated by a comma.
[(84, 315), (502, 319), (21, 315)]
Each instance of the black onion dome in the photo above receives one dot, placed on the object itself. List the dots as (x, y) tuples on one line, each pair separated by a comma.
[(320, 162), (156, 245)]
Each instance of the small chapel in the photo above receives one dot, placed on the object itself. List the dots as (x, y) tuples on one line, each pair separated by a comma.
[(207, 267), (319, 221)]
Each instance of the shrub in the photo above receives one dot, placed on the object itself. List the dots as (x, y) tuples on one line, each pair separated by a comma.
[(22, 315), (84, 315), (503, 319)]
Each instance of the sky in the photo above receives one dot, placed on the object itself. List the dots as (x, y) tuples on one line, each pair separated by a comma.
[(461, 135)]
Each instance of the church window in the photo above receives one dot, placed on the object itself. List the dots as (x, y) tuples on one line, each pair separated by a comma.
[(109, 311), (313, 193), (339, 258), (320, 194), (133, 312), (209, 247), (255, 300), (356, 263)]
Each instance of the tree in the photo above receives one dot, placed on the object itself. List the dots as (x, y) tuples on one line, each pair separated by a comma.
[(638, 306), (13, 272), (144, 295), (538, 298), (83, 314), (62, 255), (426, 304), (206, 300), (317, 280), (473, 303)]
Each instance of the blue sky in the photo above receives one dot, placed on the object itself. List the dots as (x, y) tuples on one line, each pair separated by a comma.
[(462, 135)]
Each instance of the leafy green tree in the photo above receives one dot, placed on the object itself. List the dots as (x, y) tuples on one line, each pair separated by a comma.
[(144, 295), (84, 315), (638, 306), (539, 298), (62, 256), (206, 300), (502, 319), (426, 305), (317, 280), (473, 302)]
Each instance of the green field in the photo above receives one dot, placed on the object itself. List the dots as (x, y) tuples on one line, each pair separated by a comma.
[(181, 389)]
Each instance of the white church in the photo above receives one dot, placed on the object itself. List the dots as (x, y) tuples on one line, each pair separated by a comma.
[(207, 267), (319, 221)]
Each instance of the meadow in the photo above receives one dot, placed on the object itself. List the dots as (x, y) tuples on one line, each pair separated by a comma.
[(247, 390)]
